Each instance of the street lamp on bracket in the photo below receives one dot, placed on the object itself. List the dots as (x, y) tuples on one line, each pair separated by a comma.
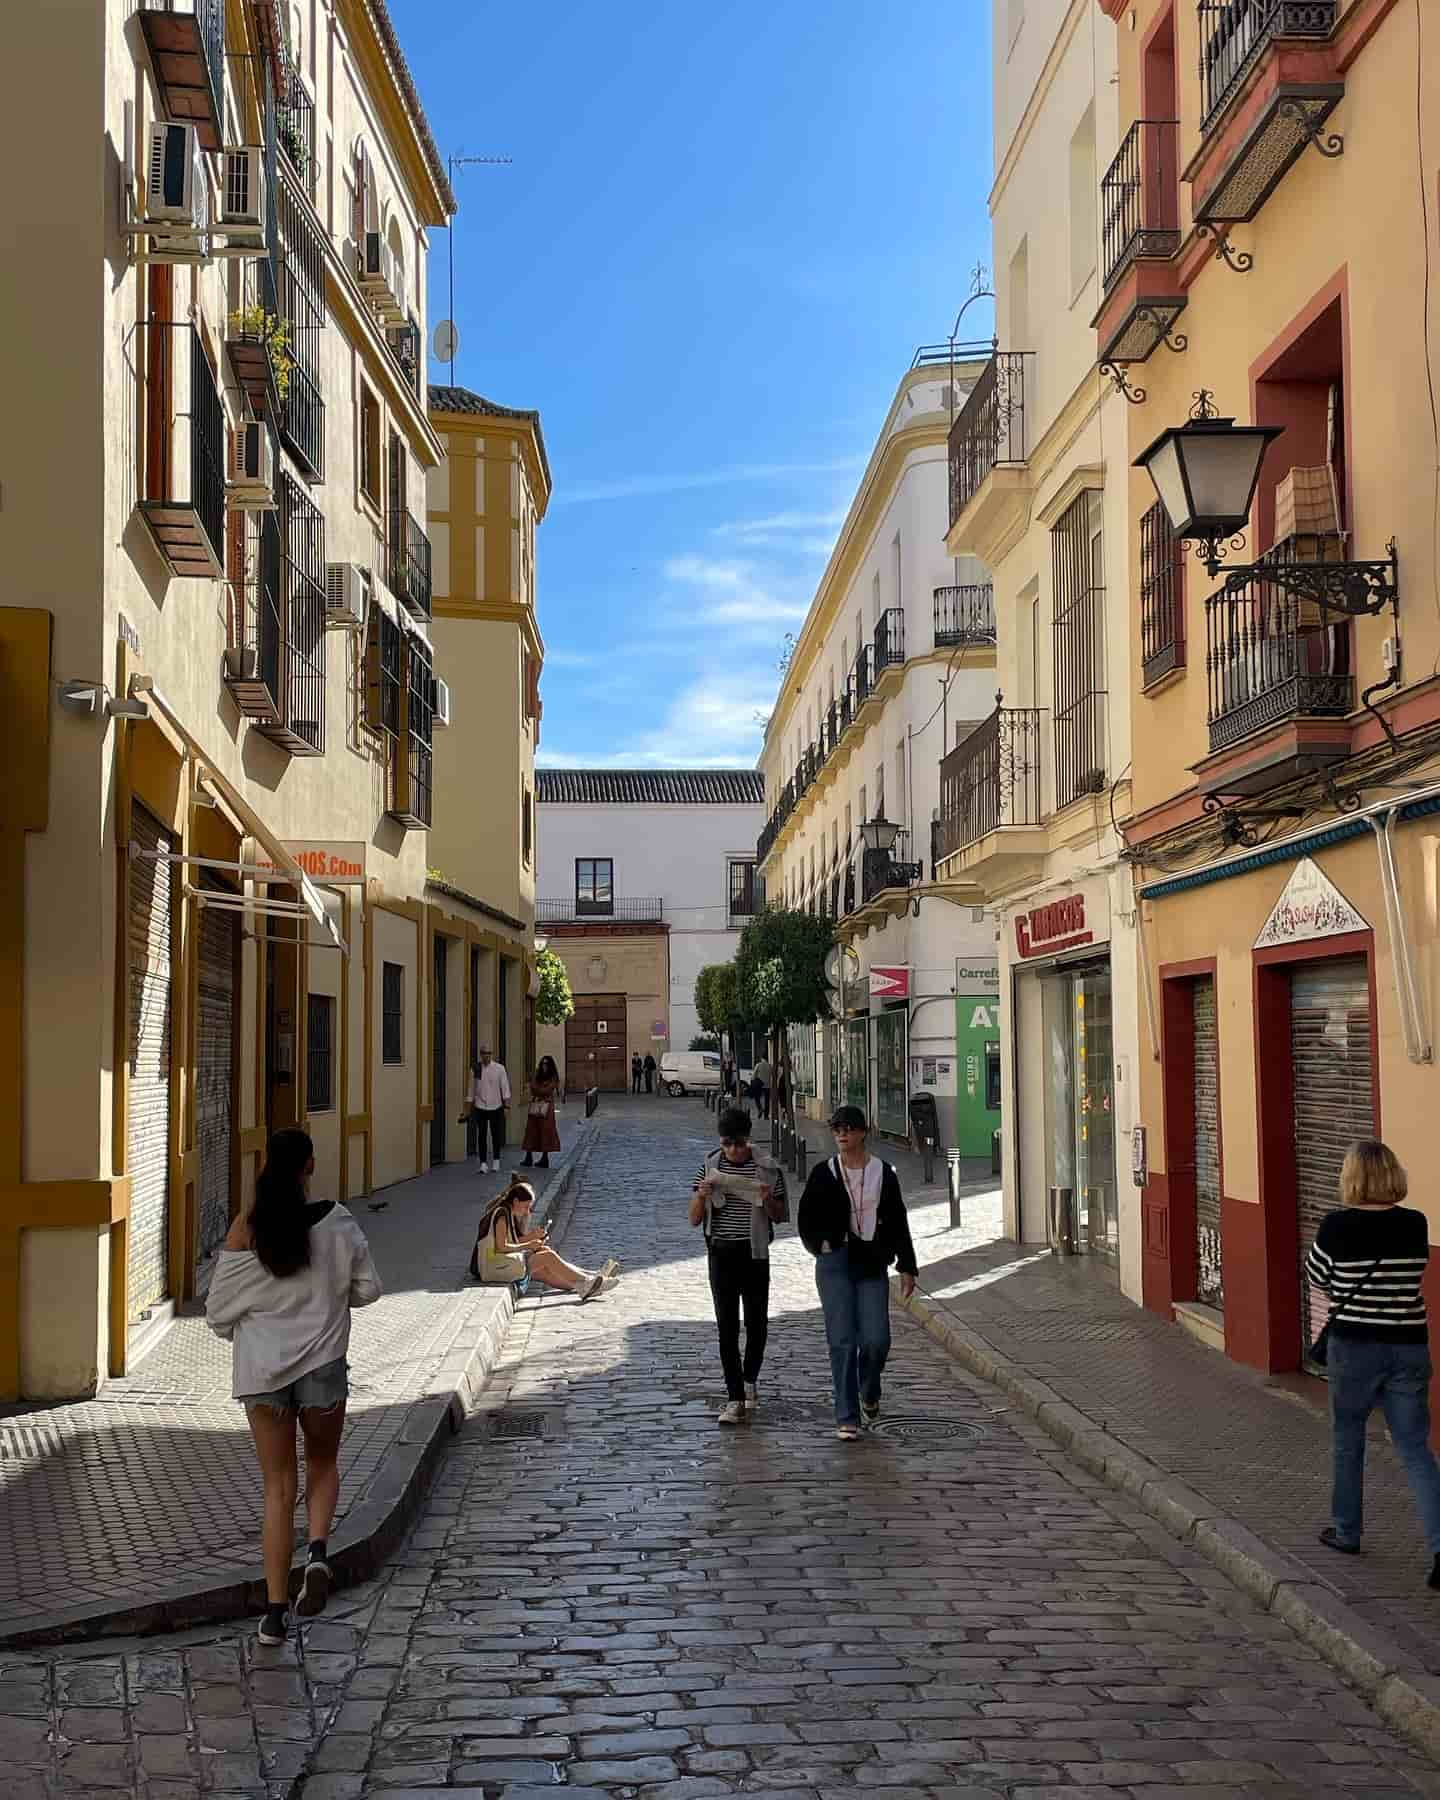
[(1205, 473)]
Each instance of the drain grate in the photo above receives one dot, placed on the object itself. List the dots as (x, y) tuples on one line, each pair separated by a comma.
[(516, 1426), (915, 1428), (29, 1443)]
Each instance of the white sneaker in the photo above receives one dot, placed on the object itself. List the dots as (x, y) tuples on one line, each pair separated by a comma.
[(591, 1288), (732, 1413), (847, 1433), (752, 1398), (610, 1269)]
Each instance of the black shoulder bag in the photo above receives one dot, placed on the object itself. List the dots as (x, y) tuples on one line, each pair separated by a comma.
[(1319, 1351)]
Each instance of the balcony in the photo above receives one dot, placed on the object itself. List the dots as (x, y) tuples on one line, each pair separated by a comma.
[(990, 799), (888, 649), (404, 342), (257, 340), (412, 766), (1140, 198), (862, 678), (186, 42), (884, 872), (299, 725), (988, 447), (965, 615), (184, 485), (1162, 598), (409, 563), (255, 635), (1269, 81), (1277, 661), (585, 912), (295, 131)]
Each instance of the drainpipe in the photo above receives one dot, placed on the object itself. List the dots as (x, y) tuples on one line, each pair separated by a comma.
[(1407, 988)]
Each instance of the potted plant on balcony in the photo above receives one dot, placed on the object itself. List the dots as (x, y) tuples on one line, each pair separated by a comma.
[(258, 327), (293, 144)]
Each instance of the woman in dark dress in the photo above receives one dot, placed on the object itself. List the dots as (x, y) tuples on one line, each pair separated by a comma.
[(541, 1132)]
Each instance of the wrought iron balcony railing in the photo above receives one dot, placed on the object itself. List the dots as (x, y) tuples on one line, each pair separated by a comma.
[(409, 563), (990, 429), (1272, 657), (991, 779), (889, 644), (574, 910), (255, 635), (295, 130), (883, 870), (186, 41), (404, 341), (1162, 597), (1233, 36), (1140, 197), (862, 677), (965, 615)]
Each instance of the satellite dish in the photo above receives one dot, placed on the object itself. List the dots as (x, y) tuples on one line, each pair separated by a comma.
[(446, 341)]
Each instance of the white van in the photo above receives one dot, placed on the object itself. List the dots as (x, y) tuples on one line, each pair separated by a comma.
[(689, 1071)]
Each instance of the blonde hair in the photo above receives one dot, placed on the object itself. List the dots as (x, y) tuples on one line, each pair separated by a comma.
[(1371, 1175)]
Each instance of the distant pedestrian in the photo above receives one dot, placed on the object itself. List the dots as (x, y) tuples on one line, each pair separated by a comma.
[(853, 1222), (637, 1073), (728, 1080), (509, 1249), (489, 1101), (760, 1087), (1370, 1257), (650, 1067), (739, 1198), (541, 1131), (284, 1284)]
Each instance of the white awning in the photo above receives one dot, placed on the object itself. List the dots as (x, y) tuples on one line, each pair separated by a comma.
[(288, 870)]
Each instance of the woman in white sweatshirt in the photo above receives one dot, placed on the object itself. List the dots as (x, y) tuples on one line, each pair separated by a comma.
[(282, 1292)]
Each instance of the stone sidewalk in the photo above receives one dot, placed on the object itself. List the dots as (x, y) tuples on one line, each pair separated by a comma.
[(141, 1508), (1199, 1437)]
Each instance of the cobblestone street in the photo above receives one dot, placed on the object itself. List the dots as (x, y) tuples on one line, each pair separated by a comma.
[(608, 1592)]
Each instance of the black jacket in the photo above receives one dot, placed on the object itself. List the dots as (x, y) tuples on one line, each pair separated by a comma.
[(824, 1217)]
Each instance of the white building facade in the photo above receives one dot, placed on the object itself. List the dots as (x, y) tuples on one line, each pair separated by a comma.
[(650, 872), (896, 659)]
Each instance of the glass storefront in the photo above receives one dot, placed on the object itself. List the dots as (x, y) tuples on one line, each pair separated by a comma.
[(1080, 1101), (802, 1059), (857, 1062), (892, 1067), (834, 1066)]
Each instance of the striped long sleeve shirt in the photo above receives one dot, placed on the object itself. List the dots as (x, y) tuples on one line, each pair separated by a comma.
[(1396, 1245)]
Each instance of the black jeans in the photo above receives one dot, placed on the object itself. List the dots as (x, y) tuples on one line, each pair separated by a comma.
[(635, 1081), (492, 1127), (738, 1277)]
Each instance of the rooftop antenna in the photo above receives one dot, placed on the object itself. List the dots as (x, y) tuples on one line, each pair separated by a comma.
[(980, 289), (452, 163)]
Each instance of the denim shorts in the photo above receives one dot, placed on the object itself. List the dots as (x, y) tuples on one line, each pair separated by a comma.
[(321, 1389)]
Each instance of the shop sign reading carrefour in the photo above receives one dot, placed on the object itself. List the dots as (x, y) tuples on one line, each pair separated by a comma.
[(340, 863), (1058, 925)]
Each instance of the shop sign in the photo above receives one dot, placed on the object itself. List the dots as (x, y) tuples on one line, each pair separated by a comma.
[(321, 860), (1139, 1156), (889, 981), (1310, 907), (1058, 925), (659, 1030), (977, 977)]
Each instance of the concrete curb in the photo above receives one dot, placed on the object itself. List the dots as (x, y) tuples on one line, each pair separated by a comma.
[(1396, 1683), (370, 1532)]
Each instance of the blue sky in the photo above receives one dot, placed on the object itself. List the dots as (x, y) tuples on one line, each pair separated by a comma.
[(722, 236)]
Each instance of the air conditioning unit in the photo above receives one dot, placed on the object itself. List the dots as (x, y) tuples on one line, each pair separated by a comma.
[(378, 278), (441, 714), (347, 596), (251, 483), (176, 200), (242, 195)]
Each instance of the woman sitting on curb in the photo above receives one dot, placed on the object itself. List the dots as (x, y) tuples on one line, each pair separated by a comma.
[(507, 1249)]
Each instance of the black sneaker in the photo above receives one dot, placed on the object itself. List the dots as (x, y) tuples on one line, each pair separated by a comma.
[(1433, 1579), (274, 1628), (315, 1588), (869, 1411), (1332, 1540)]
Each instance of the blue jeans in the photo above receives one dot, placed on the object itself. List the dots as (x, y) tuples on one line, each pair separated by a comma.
[(1365, 1374), (857, 1329)]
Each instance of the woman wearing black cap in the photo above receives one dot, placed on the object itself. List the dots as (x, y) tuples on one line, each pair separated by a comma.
[(853, 1222)]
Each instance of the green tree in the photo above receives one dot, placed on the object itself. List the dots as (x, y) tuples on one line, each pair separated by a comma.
[(554, 1004), (780, 978), (705, 1041), (717, 1000)]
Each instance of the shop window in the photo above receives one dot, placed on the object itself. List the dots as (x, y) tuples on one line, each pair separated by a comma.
[(319, 1053), (392, 1013), (370, 442), (1079, 587)]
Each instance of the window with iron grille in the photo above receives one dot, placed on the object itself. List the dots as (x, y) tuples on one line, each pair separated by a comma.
[(319, 1053), (383, 651), (370, 449), (1077, 562), (742, 889), (1162, 597), (419, 719), (527, 825), (392, 1013), (300, 291), (302, 527)]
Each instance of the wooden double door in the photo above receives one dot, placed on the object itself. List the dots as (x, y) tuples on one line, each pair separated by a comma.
[(595, 1049)]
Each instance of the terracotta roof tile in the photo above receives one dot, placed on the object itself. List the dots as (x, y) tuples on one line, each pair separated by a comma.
[(650, 787)]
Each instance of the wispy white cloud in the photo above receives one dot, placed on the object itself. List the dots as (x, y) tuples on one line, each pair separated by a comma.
[(639, 487), (711, 723), (570, 659), (776, 523), (734, 592)]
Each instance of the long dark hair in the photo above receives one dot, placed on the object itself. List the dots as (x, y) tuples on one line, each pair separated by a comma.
[(278, 1224), (545, 1069), (504, 1202)]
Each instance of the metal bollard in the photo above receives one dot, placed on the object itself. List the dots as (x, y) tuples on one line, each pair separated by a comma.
[(952, 1177), (592, 1100), (775, 1138), (802, 1150), (927, 1153)]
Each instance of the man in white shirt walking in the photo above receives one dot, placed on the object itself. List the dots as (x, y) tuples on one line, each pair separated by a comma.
[(490, 1101)]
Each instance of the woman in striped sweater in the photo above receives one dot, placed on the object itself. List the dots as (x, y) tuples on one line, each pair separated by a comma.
[(1370, 1258)]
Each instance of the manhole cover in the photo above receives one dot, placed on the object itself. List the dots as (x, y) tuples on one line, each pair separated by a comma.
[(29, 1443), (516, 1425), (915, 1429), (792, 1412)]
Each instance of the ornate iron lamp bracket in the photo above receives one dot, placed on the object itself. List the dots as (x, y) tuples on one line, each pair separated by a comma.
[(1135, 395), (1241, 261), (1354, 590), (1331, 145)]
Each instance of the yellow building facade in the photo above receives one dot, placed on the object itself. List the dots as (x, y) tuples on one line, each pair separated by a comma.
[(216, 658), (1269, 230)]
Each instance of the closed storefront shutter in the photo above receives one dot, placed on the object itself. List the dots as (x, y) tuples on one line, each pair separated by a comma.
[(215, 1074), (147, 1094), (1334, 1097), (1210, 1287)]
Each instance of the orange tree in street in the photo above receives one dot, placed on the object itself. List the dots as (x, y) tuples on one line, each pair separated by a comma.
[(780, 979)]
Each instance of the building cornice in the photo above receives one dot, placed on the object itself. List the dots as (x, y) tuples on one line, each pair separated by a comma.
[(389, 82), (499, 612), (521, 431)]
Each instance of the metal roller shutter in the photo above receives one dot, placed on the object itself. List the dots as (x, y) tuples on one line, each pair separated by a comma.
[(147, 1098), (215, 1075), (1207, 1146), (1334, 1097)]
